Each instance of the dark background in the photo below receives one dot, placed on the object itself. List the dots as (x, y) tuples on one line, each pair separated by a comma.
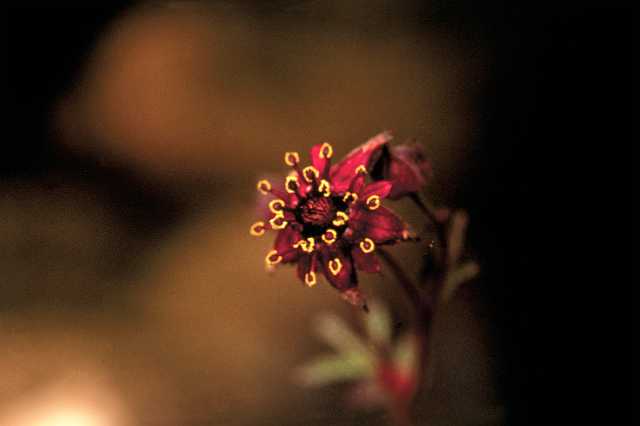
[(546, 187), (546, 197)]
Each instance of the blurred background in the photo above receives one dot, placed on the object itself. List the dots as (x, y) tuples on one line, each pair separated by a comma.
[(131, 292)]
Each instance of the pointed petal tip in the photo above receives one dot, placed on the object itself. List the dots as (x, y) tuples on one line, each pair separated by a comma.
[(355, 297)]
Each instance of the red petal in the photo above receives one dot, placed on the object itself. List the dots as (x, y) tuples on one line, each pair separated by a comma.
[(346, 277), (307, 263), (357, 183), (381, 225), (367, 262), (304, 187), (284, 244), (380, 188), (343, 173)]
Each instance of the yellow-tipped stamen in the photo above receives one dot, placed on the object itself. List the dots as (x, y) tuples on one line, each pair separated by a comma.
[(373, 202), (257, 229), (291, 184), (330, 236), (367, 245), (326, 151), (325, 188), (310, 278), (335, 266), (313, 171), (311, 243), (350, 197), (276, 206), (361, 169), (341, 219), (264, 186), (291, 158), (278, 222), (306, 245), (273, 258)]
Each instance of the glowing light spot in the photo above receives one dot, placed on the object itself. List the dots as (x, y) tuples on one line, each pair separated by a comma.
[(341, 218), (278, 222), (326, 151), (257, 229), (367, 245), (264, 186), (324, 188), (273, 258), (276, 206), (310, 278), (335, 266), (350, 197), (72, 418), (330, 236), (291, 184), (405, 234), (361, 169), (310, 170), (291, 158), (373, 202)]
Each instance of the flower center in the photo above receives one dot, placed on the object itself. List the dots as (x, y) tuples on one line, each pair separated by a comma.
[(318, 211)]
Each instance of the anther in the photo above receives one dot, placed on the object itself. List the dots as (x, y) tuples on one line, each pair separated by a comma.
[(335, 266), (361, 169), (291, 158), (313, 171), (257, 229), (310, 245), (341, 218), (350, 197), (276, 206), (291, 184), (326, 151), (367, 245), (264, 186), (310, 278), (330, 236), (373, 202), (273, 258), (278, 222), (306, 245), (324, 188)]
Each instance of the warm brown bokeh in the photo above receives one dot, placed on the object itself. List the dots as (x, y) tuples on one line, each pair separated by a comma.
[(188, 328)]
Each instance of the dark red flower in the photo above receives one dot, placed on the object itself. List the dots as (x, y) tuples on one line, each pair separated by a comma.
[(329, 219), (405, 166)]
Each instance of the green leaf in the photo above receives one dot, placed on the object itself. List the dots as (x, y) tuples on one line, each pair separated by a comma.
[(334, 368), (456, 277), (378, 324), (456, 236), (405, 354), (337, 333)]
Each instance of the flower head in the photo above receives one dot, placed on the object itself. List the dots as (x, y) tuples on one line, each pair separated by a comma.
[(329, 219)]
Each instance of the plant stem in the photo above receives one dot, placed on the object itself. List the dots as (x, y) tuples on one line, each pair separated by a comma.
[(423, 312), (427, 210), (405, 282), (441, 232)]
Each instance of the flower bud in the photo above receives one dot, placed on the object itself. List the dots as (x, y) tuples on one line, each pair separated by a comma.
[(405, 166)]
